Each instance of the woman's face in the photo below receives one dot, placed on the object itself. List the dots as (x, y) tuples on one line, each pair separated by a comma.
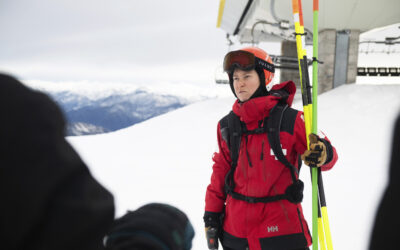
[(245, 83)]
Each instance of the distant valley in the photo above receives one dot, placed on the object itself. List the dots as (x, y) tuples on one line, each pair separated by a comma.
[(110, 113)]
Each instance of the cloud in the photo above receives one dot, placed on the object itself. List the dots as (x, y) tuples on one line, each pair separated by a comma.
[(67, 37)]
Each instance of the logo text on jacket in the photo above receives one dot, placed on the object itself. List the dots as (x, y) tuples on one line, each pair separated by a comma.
[(272, 229)]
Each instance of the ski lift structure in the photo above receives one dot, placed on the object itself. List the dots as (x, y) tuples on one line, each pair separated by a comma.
[(388, 41), (384, 44), (383, 71), (255, 21), (391, 45), (221, 77), (378, 71)]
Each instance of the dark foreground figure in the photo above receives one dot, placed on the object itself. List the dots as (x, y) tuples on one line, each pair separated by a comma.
[(385, 233), (49, 199), (154, 226)]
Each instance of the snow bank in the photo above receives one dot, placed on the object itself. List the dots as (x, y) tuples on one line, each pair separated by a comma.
[(168, 159)]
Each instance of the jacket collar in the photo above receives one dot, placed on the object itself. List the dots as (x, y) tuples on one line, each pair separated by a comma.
[(258, 108), (254, 109)]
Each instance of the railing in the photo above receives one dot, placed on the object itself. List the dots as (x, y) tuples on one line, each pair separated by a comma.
[(378, 71)]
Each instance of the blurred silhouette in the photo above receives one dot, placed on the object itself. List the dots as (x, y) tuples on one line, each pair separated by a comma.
[(49, 199), (154, 226), (385, 232)]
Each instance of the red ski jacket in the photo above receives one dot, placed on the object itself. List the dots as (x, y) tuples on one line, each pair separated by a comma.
[(274, 225)]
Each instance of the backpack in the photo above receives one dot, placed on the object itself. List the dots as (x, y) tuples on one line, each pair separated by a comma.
[(232, 130)]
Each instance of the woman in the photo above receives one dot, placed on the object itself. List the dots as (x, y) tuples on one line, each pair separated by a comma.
[(253, 200)]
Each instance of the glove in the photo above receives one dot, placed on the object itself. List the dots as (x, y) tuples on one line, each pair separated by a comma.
[(212, 237), (318, 153), (213, 222)]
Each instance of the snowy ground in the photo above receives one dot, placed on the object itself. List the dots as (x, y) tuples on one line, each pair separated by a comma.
[(168, 159)]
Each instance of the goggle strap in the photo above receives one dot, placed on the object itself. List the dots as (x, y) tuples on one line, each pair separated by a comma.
[(265, 65)]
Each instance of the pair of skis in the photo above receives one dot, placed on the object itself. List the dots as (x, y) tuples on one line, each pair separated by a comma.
[(320, 225)]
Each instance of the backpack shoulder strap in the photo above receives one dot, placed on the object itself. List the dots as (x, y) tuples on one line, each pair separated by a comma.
[(273, 132), (224, 129), (231, 131)]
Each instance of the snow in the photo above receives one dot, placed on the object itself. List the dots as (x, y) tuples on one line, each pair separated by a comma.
[(168, 158)]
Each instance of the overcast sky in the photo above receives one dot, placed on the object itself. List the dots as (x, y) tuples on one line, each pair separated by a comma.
[(111, 40)]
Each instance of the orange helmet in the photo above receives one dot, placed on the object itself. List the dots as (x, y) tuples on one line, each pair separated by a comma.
[(251, 58), (268, 75)]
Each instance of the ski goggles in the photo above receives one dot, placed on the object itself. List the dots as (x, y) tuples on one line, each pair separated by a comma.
[(246, 61)]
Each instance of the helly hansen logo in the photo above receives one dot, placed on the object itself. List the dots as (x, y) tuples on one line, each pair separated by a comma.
[(273, 229)]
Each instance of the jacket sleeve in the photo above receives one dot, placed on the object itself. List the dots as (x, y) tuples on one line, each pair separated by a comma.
[(301, 142), (215, 196), (332, 154)]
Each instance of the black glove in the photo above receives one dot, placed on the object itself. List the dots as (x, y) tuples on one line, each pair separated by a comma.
[(212, 237), (213, 223)]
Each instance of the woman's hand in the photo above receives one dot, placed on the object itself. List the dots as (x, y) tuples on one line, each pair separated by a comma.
[(213, 225), (317, 155)]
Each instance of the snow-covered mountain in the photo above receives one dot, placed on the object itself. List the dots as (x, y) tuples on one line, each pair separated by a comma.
[(115, 111), (93, 108), (168, 158)]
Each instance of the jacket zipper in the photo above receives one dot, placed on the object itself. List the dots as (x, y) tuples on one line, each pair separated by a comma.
[(247, 153), (262, 151), (263, 162)]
